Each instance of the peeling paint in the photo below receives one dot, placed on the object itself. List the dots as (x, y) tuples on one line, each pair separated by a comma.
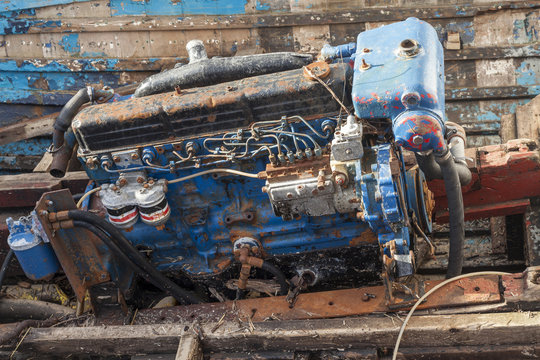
[(175, 7), (70, 43)]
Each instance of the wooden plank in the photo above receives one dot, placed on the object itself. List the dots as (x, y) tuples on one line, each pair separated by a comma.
[(528, 120), (189, 348), (512, 328), (241, 21), (498, 234), (25, 189), (508, 127)]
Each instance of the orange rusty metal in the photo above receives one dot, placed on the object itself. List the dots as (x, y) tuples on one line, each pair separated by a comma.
[(331, 304), (502, 176), (76, 249)]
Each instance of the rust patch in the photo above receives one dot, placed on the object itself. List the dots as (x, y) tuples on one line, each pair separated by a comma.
[(367, 237)]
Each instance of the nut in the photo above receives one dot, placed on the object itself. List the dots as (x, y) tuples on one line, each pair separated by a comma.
[(417, 139)]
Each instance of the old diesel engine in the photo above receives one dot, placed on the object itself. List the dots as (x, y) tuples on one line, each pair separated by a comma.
[(297, 171)]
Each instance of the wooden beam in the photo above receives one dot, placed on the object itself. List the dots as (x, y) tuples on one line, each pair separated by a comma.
[(25, 189), (189, 348), (284, 19), (514, 328)]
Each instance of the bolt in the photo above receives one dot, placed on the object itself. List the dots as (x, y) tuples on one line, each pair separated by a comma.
[(122, 181), (146, 186), (50, 203), (366, 50), (43, 213), (140, 179), (340, 179), (289, 195), (178, 89), (116, 158), (264, 189), (134, 156), (364, 65), (348, 151), (91, 163), (114, 187), (365, 297), (417, 139), (300, 187)]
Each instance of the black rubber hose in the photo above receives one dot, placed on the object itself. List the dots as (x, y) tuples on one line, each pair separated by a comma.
[(103, 236), (5, 265), (68, 112), (432, 170), (208, 72), (134, 256), (280, 277), (456, 213)]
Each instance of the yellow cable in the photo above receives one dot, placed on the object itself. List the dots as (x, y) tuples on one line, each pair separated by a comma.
[(437, 287), (229, 171), (87, 194)]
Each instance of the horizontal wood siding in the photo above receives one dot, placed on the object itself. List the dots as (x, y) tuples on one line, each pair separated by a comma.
[(52, 48)]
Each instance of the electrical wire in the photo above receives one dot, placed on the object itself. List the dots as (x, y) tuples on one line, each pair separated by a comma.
[(327, 88), (437, 287), (213, 171), (87, 194)]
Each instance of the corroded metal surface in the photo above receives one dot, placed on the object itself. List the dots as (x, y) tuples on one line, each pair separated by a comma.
[(504, 177), (327, 304), (76, 249), (49, 51)]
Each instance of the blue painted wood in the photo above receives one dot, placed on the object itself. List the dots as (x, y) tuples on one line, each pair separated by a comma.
[(32, 4), (177, 7)]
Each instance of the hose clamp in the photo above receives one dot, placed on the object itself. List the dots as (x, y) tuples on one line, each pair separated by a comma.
[(52, 150)]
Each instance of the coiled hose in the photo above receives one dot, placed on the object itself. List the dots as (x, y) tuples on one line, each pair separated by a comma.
[(121, 247)]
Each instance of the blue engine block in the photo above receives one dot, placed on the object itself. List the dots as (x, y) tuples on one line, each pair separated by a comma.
[(267, 161)]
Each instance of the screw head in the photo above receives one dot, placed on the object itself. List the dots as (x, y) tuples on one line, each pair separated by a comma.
[(134, 156), (417, 139), (140, 179)]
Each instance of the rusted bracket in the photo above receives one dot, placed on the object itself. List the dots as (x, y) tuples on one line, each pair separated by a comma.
[(76, 249)]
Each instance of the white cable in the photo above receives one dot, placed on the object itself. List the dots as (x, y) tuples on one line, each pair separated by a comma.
[(87, 194), (437, 287), (211, 171)]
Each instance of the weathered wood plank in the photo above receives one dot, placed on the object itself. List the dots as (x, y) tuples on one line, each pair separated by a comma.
[(25, 189), (352, 14), (189, 348), (528, 120), (513, 328)]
